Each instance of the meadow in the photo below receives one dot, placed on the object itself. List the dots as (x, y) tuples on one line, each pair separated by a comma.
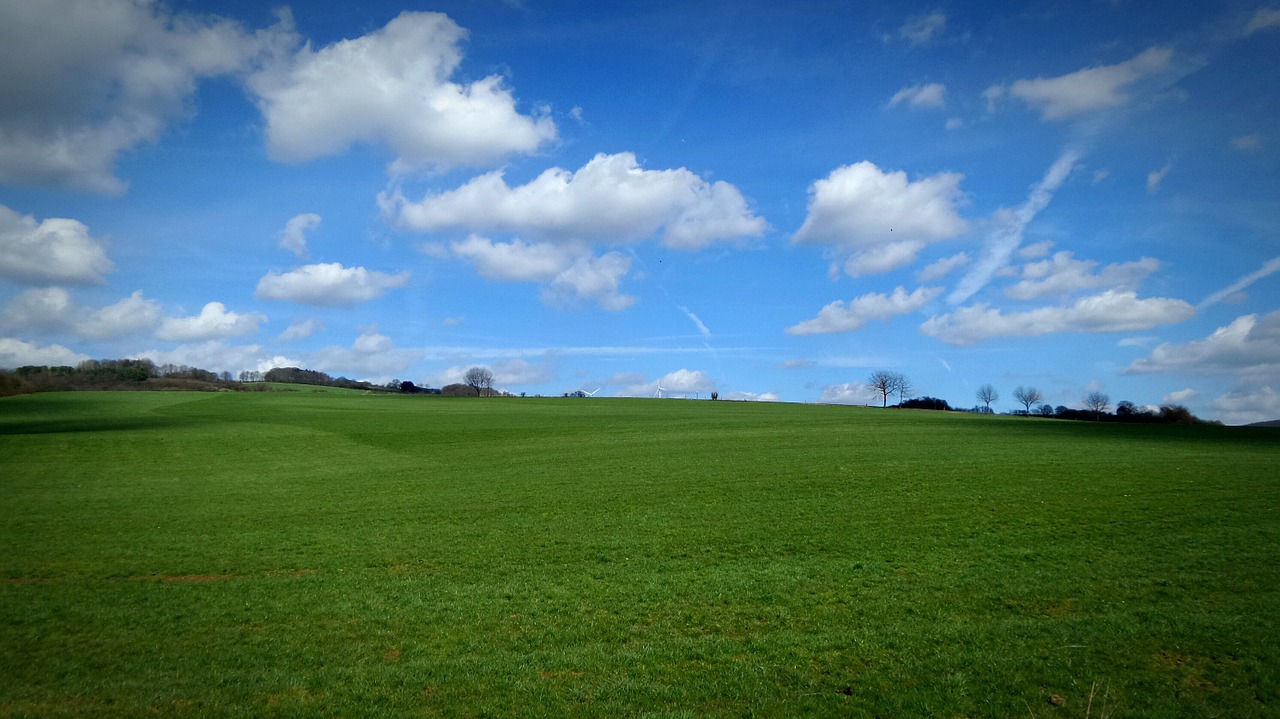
[(341, 554)]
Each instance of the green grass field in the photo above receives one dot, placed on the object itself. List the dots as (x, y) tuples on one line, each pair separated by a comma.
[(285, 554)]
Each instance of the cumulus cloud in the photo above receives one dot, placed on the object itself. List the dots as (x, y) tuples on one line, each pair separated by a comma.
[(572, 274), (1110, 311), (516, 261), (518, 371), (214, 322), (610, 200), (132, 315), (218, 356), (933, 95), (943, 267), (1063, 275), (1095, 88), (302, 329), (1248, 347), (1181, 396), (393, 87), (51, 310), (294, 236), (1248, 405), (839, 317), (1008, 227), (1268, 268), (678, 383), (848, 393), (592, 278), (17, 353), (39, 310), (54, 251), (751, 397), (875, 221), (88, 81), (372, 357), (328, 285), (922, 29)]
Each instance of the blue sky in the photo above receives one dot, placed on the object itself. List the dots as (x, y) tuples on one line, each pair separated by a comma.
[(768, 201)]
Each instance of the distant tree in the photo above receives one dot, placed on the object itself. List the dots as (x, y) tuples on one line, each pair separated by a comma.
[(408, 387), (1097, 402), (905, 390), (886, 384), (987, 394), (1027, 396), (1045, 410), (715, 395), (479, 379), (925, 403)]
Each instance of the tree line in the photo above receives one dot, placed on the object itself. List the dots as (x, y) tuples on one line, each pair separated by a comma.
[(887, 384)]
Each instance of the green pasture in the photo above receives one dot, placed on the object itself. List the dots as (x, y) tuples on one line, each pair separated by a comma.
[(309, 554)]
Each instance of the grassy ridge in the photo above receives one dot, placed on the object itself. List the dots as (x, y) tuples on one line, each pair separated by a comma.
[(275, 554)]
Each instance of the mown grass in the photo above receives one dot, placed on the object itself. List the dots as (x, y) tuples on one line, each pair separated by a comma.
[(273, 554)]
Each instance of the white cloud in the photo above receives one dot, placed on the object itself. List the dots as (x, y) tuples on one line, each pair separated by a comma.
[(87, 81), (1109, 311), (610, 200), (131, 315), (572, 274), (1247, 143), (922, 29), (751, 397), (43, 309), (372, 357), (839, 317), (521, 372), (392, 87), (1264, 19), (214, 322), (218, 356), (1094, 88), (1248, 347), (933, 95), (50, 252), (1181, 396), (302, 329), (1268, 268), (517, 260), (294, 236), (592, 278), (1063, 275), (50, 309), (943, 267), (848, 393), (1248, 405), (697, 322), (1036, 251), (1155, 177), (678, 383), (328, 285), (876, 221), (1009, 226), (17, 353)]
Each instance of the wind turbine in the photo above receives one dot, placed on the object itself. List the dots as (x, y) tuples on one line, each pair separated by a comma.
[(658, 394), (592, 393)]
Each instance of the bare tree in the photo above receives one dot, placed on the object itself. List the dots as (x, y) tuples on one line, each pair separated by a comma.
[(1098, 402), (905, 390), (987, 394), (479, 379), (885, 384), (1027, 396)]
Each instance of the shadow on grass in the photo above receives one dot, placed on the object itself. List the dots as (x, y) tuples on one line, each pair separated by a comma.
[(72, 425)]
